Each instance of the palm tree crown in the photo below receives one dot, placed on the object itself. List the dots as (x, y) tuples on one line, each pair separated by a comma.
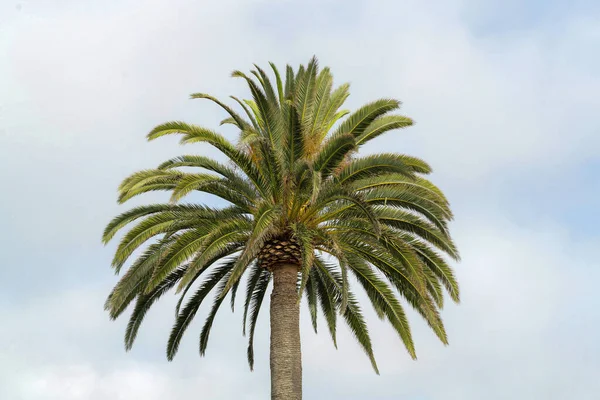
[(296, 192)]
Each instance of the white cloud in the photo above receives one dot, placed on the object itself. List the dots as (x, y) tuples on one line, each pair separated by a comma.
[(83, 382), (130, 381)]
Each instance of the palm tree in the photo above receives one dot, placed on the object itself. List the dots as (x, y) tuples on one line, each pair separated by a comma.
[(302, 210)]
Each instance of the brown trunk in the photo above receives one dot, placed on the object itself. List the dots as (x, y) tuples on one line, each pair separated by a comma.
[(286, 359)]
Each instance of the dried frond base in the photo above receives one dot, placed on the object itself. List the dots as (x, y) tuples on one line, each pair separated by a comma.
[(283, 250)]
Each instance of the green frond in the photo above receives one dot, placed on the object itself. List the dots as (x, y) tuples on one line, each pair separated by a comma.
[(226, 251), (148, 228), (408, 278), (332, 105), (251, 116), (405, 200), (332, 245), (382, 125), (143, 304), (440, 268), (373, 295), (148, 180), (417, 185), (434, 287), (306, 240), (380, 165), (255, 302), (299, 74), (127, 217), (205, 333), (327, 300), (345, 287), (265, 225), (179, 248), (140, 178), (185, 317), (359, 120), (317, 183), (322, 93), (272, 96), (409, 223), (295, 138), (268, 111), (398, 262), (305, 93), (335, 118), (384, 299), (239, 121), (333, 153), (311, 297), (257, 115), (198, 161), (426, 307), (279, 83), (352, 314), (196, 134), (190, 182), (228, 192), (220, 237), (341, 196), (255, 271), (182, 250), (273, 164), (289, 82), (234, 290), (133, 282), (157, 186), (234, 179), (228, 121)]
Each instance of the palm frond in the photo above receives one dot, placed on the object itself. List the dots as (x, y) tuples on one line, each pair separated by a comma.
[(185, 317), (143, 304), (352, 314), (382, 125), (311, 297), (331, 108), (239, 121), (256, 299), (333, 153), (205, 333)]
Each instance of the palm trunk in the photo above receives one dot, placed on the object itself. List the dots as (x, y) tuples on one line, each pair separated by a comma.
[(286, 359)]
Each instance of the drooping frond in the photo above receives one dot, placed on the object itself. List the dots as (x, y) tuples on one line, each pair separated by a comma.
[(311, 296), (256, 299), (186, 315), (352, 313), (384, 300), (145, 301)]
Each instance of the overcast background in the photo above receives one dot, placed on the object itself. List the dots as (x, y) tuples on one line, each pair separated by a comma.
[(505, 95)]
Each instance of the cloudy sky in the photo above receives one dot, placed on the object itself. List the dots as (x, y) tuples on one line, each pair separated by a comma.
[(504, 94)]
